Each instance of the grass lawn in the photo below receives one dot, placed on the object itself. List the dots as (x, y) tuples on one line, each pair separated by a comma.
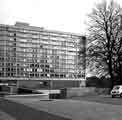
[(5, 116), (79, 108), (106, 99)]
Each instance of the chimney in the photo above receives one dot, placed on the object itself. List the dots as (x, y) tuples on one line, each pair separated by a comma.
[(21, 24)]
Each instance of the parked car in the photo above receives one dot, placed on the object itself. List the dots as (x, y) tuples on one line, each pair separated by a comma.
[(116, 91)]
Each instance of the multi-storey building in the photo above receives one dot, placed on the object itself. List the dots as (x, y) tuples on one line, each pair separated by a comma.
[(36, 57)]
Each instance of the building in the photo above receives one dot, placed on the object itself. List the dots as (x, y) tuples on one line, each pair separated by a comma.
[(39, 58)]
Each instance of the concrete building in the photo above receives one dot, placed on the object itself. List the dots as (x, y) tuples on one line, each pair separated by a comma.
[(38, 58)]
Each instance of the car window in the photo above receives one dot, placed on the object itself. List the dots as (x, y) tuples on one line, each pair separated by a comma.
[(116, 88)]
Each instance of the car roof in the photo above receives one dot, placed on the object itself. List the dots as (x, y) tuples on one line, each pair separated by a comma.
[(118, 86)]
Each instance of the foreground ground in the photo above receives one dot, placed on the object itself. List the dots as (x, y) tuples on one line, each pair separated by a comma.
[(77, 108), (5, 116)]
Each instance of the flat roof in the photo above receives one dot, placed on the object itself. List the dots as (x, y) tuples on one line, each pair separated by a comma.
[(35, 28)]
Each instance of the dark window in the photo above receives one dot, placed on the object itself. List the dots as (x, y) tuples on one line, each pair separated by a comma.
[(45, 83), (14, 34)]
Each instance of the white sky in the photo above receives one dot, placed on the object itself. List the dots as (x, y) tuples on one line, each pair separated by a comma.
[(61, 15)]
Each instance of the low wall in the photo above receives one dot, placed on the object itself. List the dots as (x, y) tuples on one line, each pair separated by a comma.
[(31, 84), (83, 91), (9, 89), (71, 92), (35, 96)]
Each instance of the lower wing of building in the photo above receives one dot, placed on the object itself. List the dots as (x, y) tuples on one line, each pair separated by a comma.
[(31, 55)]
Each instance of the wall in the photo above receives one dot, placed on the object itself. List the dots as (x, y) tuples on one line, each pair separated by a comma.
[(65, 84), (71, 92), (55, 84)]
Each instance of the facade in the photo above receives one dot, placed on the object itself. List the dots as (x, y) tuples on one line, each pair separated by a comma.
[(34, 56)]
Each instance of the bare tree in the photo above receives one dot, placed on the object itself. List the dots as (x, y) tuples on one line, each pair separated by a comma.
[(105, 44)]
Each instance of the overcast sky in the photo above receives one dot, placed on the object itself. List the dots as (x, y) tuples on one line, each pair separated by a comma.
[(61, 15)]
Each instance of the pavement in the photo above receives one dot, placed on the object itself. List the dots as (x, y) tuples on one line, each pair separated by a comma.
[(72, 109)]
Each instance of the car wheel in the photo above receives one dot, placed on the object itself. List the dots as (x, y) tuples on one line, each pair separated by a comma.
[(121, 95), (112, 96)]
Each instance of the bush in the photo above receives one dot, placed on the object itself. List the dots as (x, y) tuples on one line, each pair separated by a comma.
[(102, 91), (97, 82), (92, 81)]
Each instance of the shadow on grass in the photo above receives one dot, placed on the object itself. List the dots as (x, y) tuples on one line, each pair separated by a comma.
[(23, 112)]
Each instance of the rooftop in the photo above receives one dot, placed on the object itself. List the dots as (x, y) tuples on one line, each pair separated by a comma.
[(35, 28)]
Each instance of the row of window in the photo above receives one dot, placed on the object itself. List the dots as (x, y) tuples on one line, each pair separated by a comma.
[(38, 46), (37, 55), (38, 64), (40, 36), (35, 51), (45, 48), (41, 75), (23, 51), (35, 65), (26, 59), (41, 69), (53, 62), (41, 40)]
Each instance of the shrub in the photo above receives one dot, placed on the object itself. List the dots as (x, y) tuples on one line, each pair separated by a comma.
[(97, 82)]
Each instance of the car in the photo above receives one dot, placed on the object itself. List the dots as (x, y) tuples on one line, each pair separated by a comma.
[(116, 91)]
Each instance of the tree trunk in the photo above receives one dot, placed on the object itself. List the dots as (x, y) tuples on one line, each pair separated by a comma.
[(120, 73), (110, 72)]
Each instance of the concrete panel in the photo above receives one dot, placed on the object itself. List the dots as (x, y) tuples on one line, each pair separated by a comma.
[(71, 92), (49, 84)]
